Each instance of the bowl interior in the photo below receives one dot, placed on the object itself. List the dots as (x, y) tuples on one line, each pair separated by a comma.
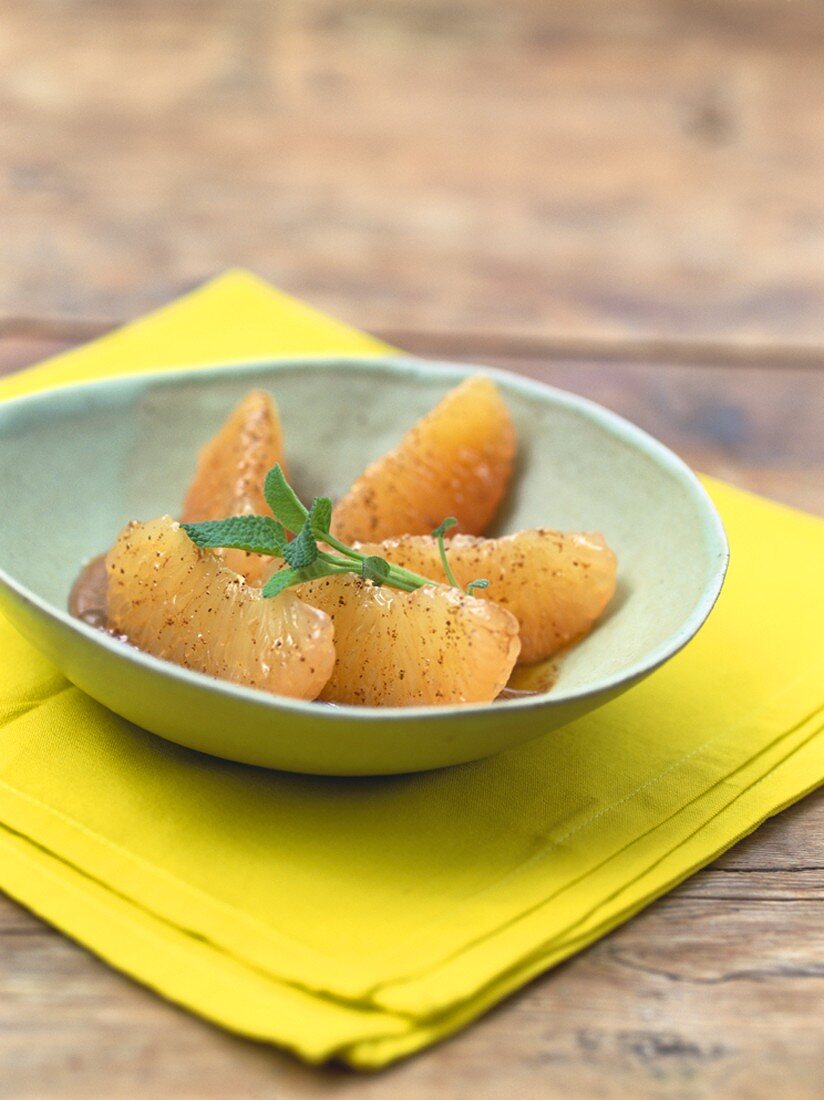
[(76, 464)]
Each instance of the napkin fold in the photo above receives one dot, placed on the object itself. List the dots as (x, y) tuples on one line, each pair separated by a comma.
[(364, 918)]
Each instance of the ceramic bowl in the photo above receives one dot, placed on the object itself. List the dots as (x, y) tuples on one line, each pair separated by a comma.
[(77, 463)]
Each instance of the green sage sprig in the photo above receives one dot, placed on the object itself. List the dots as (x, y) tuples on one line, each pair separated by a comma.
[(314, 551)]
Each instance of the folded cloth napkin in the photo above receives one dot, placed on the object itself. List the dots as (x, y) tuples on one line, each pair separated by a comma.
[(364, 918)]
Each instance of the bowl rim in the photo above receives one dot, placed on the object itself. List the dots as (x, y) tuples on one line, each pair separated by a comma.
[(410, 366)]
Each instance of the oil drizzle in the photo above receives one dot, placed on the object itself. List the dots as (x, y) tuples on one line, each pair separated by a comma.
[(87, 599), (534, 679)]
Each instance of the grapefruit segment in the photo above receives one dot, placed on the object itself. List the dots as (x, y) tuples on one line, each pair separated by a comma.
[(435, 645), (555, 584), (185, 605), (456, 461), (231, 469)]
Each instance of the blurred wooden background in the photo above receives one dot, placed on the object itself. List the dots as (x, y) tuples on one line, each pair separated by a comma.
[(580, 169), (622, 197)]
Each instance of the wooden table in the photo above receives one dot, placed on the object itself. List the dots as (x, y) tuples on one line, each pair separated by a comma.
[(623, 198)]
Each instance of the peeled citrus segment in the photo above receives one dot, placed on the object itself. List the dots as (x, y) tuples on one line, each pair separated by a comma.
[(184, 604), (231, 469), (456, 461), (432, 646), (556, 585), (232, 466)]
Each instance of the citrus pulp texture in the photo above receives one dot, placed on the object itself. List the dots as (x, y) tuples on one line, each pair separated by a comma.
[(555, 584), (456, 461), (231, 469), (185, 605), (435, 645)]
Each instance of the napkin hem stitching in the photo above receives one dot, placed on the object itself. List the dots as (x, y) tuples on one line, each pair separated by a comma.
[(515, 871), (276, 934), (537, 858), (514, 977), (547, 899), (552, 952), (134, 927)]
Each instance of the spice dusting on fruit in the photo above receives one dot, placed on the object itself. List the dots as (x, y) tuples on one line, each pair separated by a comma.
[(257, 588), (184, 604)]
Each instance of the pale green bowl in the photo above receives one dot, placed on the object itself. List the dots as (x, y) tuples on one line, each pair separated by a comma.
[(77, 463)]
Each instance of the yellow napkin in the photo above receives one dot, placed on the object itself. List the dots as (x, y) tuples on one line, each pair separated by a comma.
[(364, 919)]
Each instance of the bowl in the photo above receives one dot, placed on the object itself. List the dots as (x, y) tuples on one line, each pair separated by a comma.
[(76, 463)]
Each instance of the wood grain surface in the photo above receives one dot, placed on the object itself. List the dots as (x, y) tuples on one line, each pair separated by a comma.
[(585, 169), (715, 991)]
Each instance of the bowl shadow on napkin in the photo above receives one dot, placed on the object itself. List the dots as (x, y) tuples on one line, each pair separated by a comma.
[(411, 847)]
